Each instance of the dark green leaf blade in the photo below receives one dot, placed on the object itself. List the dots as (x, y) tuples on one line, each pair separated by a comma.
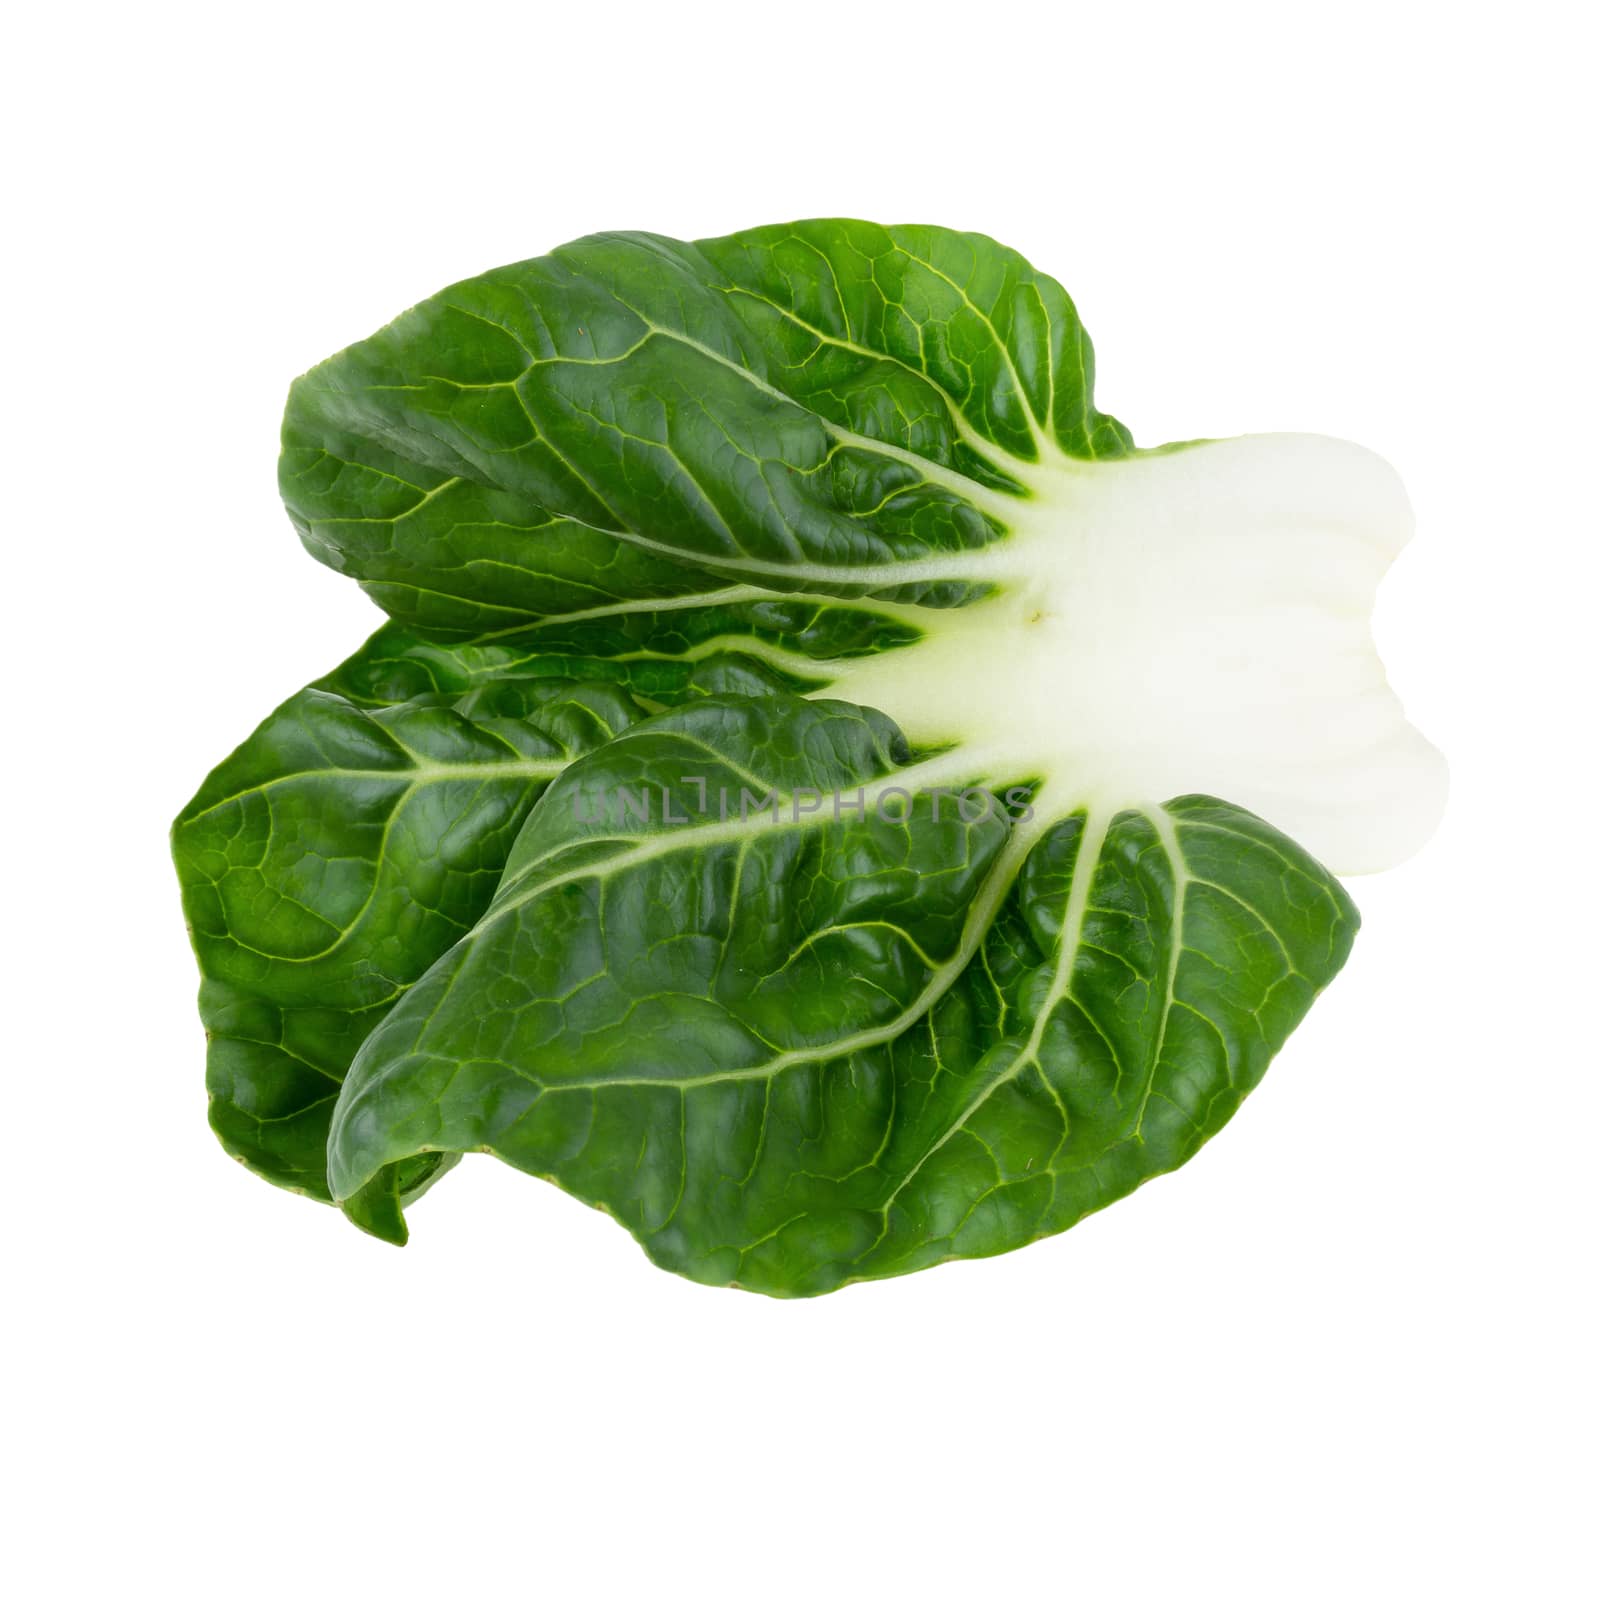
[(334, 856), (794, 1054), (830, 406)]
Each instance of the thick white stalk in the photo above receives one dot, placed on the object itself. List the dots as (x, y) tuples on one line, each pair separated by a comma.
[(1190, 621)]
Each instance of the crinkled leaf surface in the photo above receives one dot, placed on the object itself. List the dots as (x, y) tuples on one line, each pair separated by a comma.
[(701, 434), (810, 507), (334, 856), (791, 1053)]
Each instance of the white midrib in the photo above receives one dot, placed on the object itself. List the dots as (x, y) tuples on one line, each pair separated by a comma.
[(419, 772), (1085, 863), (980, 917), (936, 772), (979, 920), (969, 435), (980, 565), (1168, 834), (734, 594), (979, 494), (1004, 507)]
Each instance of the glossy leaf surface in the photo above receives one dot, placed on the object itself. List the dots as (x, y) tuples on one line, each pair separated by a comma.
[(819, 507), (789, 1053), (334, 856)]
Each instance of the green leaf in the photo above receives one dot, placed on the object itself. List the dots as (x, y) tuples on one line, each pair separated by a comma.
[(334, 856), (789, 1054), (831, 405), (835, 457), (802, 509)]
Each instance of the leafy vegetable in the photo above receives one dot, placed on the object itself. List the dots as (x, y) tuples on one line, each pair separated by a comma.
[(330, 861), (779, 812)]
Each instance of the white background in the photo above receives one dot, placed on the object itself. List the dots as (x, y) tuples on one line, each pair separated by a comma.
[(1349, 1350)]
